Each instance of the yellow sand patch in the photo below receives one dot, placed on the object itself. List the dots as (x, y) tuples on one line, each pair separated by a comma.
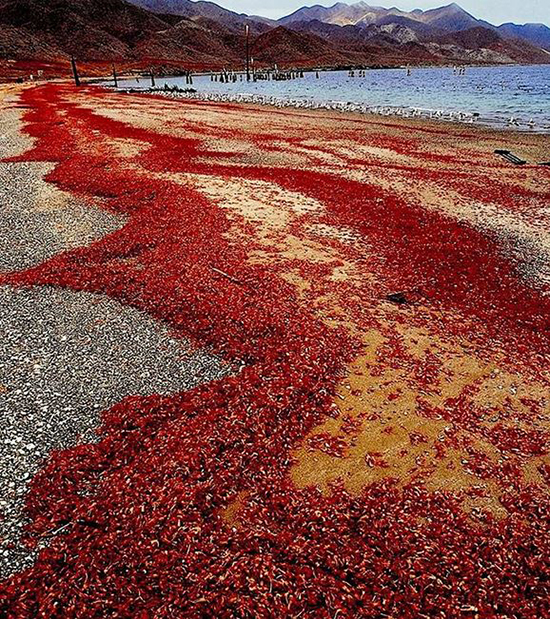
[(391, 439), (255, 201)]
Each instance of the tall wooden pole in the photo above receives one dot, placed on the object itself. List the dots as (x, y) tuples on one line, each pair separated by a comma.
[(75, 71), (247, 53), (152, 78), (115, 78)]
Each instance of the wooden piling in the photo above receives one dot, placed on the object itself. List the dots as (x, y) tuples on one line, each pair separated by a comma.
[(75, 72), (247, 52)]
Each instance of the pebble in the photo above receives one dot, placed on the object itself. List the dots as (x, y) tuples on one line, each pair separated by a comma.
[(38, 219), (64, 356), (93, 352)]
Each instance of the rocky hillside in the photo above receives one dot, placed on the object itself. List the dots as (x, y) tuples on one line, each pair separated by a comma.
[(187, 34)]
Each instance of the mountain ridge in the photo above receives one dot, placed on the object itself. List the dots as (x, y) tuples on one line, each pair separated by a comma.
[(189, 34)]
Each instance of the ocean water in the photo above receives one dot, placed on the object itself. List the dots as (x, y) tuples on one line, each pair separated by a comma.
[(504, 96)]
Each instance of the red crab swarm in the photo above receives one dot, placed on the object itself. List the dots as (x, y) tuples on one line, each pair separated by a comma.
[(144, 534)]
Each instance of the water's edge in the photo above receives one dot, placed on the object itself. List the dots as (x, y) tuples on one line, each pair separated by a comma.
[(511, 96), (406, 112)]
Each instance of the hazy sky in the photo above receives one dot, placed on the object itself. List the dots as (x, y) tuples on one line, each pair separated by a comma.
[(494, 11)]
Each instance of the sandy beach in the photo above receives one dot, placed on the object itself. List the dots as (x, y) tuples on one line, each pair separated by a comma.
[(355, 314)]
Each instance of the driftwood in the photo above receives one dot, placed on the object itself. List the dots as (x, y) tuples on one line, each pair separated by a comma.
[(506, 154), (229, 277)]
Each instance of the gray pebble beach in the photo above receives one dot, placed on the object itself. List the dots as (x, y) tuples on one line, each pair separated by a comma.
[(64, 356)]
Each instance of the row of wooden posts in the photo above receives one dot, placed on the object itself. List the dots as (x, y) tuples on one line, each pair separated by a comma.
[(223, 77), (233, 76), (226, 77)]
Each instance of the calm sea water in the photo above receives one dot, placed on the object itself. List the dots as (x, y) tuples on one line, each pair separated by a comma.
[(496, 94)]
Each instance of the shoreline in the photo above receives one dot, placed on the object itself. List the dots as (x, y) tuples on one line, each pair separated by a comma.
[(385, 111), (413, 122)]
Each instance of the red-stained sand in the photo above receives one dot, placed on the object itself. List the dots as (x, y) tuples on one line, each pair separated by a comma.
[(365, 459)]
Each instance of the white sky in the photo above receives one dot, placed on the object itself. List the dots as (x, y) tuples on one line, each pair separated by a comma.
[(494, 11)]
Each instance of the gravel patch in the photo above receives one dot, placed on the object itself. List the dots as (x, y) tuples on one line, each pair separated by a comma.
[(37, 219), (65, 357), (525, 238)]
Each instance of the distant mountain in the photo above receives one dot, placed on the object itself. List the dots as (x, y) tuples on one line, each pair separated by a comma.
[(473, 38), (486, 45), (356, 37), (422, 30), (536, 34), (429, 27), (299, 49), (399, 44), (451, 18), (189, 42), (434, 22), (367, 45), (340, 14), (209, 10)]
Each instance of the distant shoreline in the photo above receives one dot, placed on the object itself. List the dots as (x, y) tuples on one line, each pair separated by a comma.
[(507, 97), (406, 113), (100, 72)]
